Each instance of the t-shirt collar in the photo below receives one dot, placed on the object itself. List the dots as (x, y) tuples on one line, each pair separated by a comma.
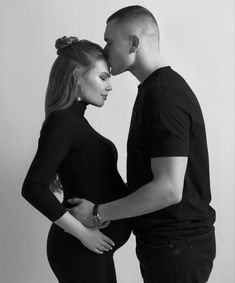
[(152, 77)]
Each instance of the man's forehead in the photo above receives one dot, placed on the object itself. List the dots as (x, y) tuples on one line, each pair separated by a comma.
[(109, 30), (110, 26), (113, 29)]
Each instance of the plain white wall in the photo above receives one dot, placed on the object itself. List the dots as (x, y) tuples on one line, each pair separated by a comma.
[(196, 40)]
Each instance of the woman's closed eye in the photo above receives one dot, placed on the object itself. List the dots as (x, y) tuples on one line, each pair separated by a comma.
[(105, 77)]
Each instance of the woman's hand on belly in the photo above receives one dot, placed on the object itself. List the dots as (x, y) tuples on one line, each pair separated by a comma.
[(96, 241), (91, 238)]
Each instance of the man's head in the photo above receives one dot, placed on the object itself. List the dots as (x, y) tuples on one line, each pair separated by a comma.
[(129, 32)]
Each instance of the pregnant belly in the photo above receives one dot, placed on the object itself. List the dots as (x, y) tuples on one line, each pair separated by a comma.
[(119, 231), (61, 242)]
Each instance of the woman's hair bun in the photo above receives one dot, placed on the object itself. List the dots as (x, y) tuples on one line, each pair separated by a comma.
[(63, 42)]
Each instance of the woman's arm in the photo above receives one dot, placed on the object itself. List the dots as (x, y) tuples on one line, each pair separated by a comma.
[(54, 144), (56, 140)]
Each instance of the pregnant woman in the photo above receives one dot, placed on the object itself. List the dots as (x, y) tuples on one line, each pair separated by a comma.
[(84, 162)]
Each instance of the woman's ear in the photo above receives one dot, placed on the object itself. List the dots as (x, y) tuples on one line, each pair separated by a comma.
[(76, 76), (135, 43), (77, 82)]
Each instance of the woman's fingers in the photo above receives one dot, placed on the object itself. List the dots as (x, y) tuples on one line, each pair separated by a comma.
[(98, 251), (105, 246), (102, 248), (108, 241), (96, 241)]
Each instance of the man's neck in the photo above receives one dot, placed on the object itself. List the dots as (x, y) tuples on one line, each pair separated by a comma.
[(144, 69)]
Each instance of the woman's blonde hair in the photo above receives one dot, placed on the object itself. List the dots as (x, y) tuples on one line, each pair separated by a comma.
[(75, 58)]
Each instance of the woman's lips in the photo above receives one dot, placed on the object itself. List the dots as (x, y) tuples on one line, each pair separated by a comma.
[(104, 96)]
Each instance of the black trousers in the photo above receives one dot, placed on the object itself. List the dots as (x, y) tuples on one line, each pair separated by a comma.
[(187, 260)]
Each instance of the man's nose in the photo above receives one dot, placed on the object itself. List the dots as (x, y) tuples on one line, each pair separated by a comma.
[(106, 50)]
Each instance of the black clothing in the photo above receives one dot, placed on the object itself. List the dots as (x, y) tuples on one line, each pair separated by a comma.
[(86, 163), (177, 243), (71, 262), (167, 121), (187, 260)]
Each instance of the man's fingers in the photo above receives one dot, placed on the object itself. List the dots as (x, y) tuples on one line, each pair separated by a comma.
[(73, 212), (75, 200)]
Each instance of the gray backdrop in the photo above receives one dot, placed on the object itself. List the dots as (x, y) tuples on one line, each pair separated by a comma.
[(196, 40)]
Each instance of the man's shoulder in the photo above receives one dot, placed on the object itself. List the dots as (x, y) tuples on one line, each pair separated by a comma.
[(167, 81), (169, 87)]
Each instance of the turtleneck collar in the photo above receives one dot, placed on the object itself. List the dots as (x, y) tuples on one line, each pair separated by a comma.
[(79, 106)]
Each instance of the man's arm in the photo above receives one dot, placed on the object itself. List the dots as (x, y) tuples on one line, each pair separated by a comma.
[(164, 190)]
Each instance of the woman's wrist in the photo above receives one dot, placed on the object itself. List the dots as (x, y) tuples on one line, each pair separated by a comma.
[(71, 225)]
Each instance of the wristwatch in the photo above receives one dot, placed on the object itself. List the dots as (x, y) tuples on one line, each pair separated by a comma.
[(96, 218)]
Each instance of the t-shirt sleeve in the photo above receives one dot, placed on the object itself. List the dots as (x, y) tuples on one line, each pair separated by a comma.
[(54, 144), (170, 124)]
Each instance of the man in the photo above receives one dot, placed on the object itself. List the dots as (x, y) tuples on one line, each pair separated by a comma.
[(167, 161)]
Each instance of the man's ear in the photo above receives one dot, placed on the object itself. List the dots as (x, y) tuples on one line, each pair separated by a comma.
[(135, 43)]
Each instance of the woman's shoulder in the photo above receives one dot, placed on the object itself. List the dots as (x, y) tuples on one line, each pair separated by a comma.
[(59, 121), (58, 117), (64, 121)]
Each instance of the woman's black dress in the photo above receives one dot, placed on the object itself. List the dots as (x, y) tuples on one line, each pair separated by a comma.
[(86, 163)]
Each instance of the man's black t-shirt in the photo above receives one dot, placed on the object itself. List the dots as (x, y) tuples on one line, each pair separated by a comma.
[(167, 121)]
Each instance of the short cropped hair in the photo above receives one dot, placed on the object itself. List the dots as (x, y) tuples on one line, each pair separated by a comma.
[(132, 13)]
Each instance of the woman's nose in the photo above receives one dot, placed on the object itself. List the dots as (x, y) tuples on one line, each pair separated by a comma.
[(109, 87)]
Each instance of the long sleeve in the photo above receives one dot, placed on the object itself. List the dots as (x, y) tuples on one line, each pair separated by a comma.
[(54, 144)]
